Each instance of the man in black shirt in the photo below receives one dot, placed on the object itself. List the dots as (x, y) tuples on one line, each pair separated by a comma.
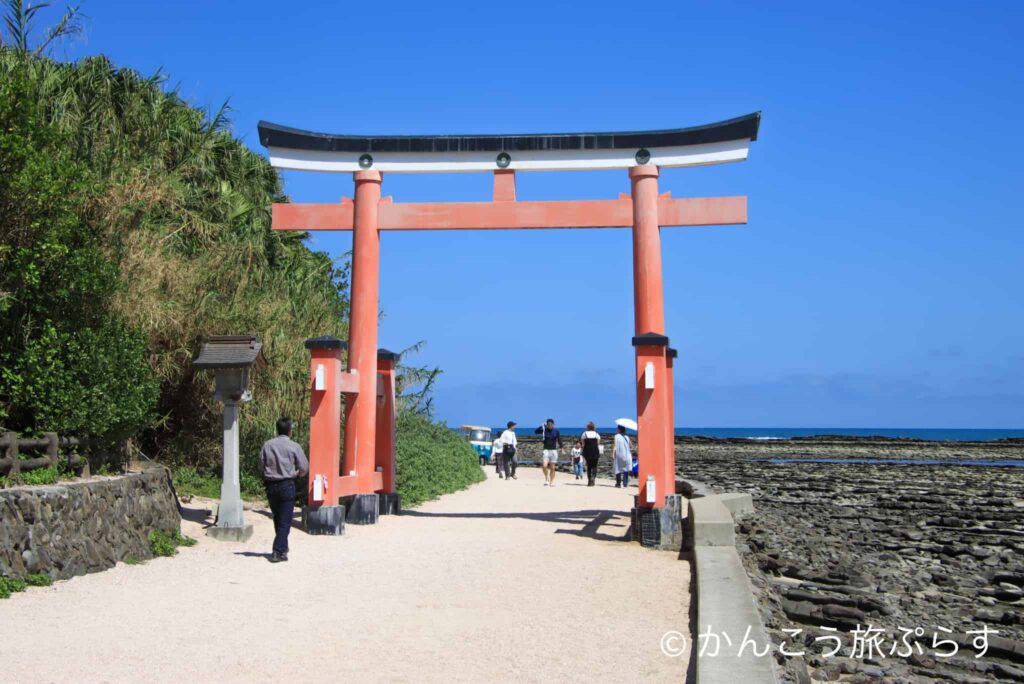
[(552, 446)]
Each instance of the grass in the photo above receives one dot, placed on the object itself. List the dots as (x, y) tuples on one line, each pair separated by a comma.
[(132, 560), (164, 544), (190, 481), (38, 580), (41, 476), (108, 469), (11, 585)]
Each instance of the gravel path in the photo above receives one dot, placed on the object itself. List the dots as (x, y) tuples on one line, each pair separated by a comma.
[(504, 581)]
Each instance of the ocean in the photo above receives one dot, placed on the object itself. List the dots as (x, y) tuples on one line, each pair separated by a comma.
[(932, 434)]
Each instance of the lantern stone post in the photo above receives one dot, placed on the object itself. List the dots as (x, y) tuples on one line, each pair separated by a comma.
[(230, 357)]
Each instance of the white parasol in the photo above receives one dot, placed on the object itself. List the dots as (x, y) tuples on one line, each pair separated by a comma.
[(627, 423)]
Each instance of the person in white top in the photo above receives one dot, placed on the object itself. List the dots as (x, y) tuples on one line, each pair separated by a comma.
[(577, 460), (623, 458), (507, 455), (496, 448)]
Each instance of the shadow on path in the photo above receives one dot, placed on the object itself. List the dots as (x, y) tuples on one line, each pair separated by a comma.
[(591, 521), (296, 518), (200, 516)]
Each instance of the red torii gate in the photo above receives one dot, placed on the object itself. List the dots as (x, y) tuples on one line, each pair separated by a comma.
[(369, 382)]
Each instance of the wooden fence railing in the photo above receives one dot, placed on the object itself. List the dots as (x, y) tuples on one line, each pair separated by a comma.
[(50, 444)]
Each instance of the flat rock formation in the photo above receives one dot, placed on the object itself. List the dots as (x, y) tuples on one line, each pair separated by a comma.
[(890, 545)]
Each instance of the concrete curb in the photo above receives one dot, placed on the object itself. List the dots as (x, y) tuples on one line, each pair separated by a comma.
[(725, 601)]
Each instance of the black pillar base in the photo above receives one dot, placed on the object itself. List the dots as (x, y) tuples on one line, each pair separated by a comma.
[(324, 520), (659, 528), (361, 509), (390, 503), (646, 526)]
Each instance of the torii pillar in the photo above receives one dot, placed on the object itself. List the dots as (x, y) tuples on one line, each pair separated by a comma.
[(362, 506), (653, 393)]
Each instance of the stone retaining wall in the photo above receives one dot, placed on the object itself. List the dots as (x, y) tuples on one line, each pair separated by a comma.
[(725, 600), (75, 528)]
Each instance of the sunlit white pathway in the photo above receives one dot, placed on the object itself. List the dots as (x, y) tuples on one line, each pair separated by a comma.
[(506, 581)]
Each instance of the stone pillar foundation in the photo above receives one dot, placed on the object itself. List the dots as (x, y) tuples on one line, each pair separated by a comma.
[(390, 504), (328, 520), (659, 528), (361, 509)]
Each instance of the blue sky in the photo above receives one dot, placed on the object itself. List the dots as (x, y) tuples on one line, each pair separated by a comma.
[(878, 282)]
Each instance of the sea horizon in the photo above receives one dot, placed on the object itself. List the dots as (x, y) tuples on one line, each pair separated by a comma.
[(770, 433)]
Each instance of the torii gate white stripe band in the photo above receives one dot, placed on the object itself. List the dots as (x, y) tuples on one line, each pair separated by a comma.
[(528, 160)]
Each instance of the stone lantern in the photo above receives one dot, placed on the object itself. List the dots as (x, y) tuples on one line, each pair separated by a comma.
[(230, 357)]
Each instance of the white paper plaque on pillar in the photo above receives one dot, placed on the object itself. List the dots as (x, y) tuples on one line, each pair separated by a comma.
[(649, 375)]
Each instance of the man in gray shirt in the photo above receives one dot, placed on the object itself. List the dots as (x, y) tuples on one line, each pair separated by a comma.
[(281, 461)]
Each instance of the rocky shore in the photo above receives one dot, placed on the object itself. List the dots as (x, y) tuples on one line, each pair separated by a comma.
[(916, 546)]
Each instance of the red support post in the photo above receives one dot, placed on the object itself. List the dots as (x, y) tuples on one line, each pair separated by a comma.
[(361, 417), (652, 417), (324, 416), (505, 185), (386, 418)]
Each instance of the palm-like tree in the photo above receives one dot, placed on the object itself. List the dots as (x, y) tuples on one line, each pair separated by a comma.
[(19, 20), (185, 210)]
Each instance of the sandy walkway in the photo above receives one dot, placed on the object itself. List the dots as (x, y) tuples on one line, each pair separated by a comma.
[(505, 581)]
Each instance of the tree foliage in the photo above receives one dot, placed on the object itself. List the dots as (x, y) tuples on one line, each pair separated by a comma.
[(19, 26), (176, 232), (132, 225), (69, 362)]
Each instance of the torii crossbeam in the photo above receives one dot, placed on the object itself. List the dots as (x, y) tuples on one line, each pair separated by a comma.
[(366, 472)]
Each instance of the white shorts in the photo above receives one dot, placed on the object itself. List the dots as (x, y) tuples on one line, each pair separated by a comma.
[(550, 456)]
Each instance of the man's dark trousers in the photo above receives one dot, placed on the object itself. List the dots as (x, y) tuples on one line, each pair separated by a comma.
[(281, 495)]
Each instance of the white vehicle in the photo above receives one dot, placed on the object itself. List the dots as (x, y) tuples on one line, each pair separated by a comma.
[(480, 439)]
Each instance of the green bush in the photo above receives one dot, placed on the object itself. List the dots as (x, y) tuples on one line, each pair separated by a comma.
[(38, 580), (69, 362), (189, 481), (192, 481), (166, 543), (41, 476), (132, 224), (432, 460), (9, 585)]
